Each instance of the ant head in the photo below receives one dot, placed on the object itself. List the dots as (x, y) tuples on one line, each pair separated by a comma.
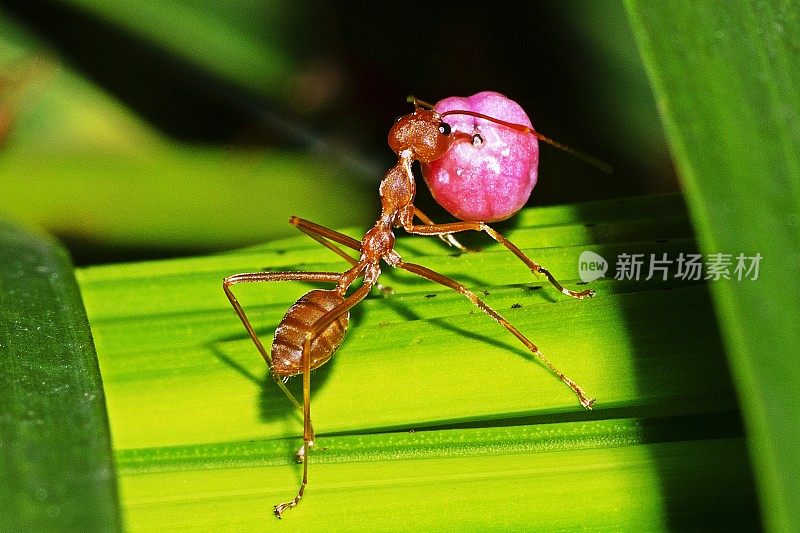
[(424, 133)]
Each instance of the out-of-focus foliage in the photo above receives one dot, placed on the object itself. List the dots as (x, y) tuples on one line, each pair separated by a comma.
[(57, 470), (76, 161), (727, 79), (120, 91)]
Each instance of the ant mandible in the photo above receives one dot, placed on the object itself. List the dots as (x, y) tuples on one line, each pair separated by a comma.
[(315, 325)]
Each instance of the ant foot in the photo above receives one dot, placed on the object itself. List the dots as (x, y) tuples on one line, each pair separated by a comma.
[(587, 402), (589, 293), (279, 509), (579, 295)]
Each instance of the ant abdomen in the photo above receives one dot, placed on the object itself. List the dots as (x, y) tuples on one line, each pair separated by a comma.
[(287, 345)]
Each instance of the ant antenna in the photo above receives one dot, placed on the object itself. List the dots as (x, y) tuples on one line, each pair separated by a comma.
[(602, 165), (418, 103)]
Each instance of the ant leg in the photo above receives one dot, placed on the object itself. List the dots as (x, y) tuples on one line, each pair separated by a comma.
[(483, 306), (321, 234), (324, 235), (325, 277), (447, 238), (455, 227), (308, 433)]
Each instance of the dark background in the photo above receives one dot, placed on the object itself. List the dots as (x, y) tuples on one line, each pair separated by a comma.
[(572, 65)]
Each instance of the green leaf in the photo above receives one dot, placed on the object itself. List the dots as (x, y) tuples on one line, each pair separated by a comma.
[(578, 476), (206, 440), (727, 80), (57, 471)]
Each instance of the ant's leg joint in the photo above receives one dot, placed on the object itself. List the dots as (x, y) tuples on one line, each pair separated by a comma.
[(301, 452)]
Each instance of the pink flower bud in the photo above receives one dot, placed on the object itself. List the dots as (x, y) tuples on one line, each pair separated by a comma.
[(486, 181)]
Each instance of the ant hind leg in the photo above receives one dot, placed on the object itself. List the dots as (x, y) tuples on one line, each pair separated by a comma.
[(256, 277), (308, 433)]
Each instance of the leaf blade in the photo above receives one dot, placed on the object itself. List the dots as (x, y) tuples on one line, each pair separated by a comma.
[(57, 470), (191, 405), (726, 78)]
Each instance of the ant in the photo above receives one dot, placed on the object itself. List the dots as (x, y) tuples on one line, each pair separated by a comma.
[(315, 325)]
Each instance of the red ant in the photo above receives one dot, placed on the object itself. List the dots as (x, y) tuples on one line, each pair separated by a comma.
[(314, 326)]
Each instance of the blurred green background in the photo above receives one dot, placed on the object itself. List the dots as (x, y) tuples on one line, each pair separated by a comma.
[(154, 129)]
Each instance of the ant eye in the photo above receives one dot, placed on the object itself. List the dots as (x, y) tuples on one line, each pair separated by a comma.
[(444, 128)]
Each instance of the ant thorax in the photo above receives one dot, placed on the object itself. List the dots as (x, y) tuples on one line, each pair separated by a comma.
[(397, 189)]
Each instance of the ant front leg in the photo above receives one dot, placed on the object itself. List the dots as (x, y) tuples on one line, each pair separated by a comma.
[(257, 277), (455, 227), (447, 238), (483, 306)]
